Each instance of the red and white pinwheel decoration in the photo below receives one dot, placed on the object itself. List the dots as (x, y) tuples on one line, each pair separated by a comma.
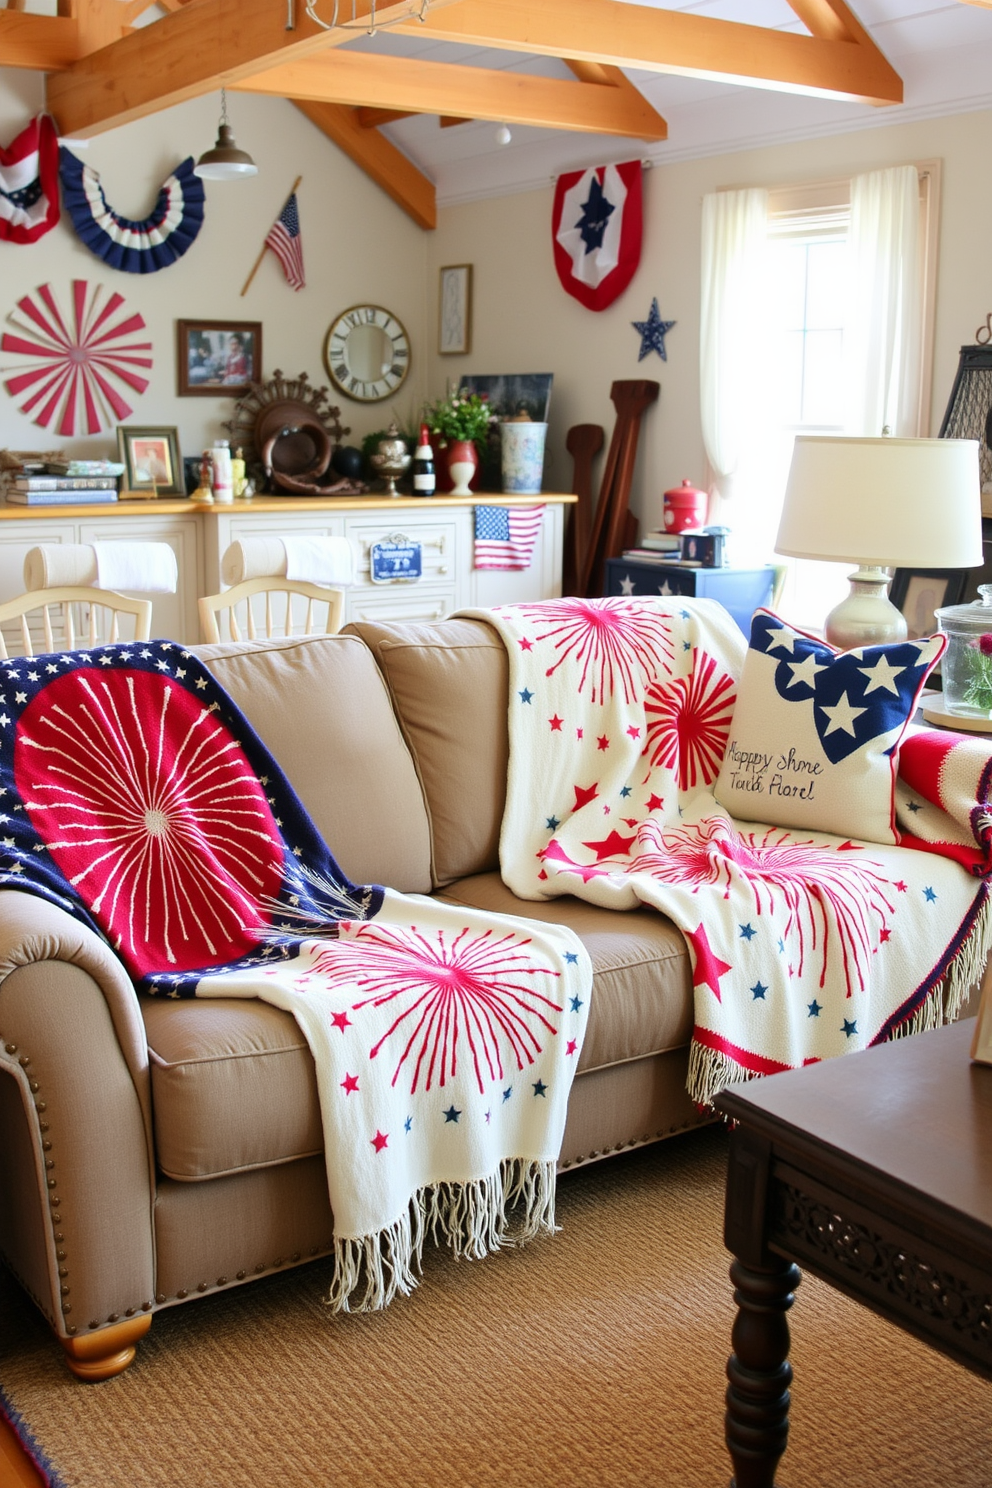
[(79, 363)]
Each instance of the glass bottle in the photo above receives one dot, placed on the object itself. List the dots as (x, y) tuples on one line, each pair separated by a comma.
[(424, 479)]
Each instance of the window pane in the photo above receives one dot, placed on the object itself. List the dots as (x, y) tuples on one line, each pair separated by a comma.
[(788, 275), (823, 395), (786, 379), (825, 296)]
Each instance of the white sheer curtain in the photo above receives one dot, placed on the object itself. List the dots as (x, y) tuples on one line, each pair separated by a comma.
[(734, 252), (883, 326)]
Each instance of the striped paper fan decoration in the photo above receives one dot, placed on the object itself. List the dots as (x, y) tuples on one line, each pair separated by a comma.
[(82, 364)]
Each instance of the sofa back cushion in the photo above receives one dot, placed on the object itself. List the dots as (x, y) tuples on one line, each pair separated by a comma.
[(319, 705), (449, 684)]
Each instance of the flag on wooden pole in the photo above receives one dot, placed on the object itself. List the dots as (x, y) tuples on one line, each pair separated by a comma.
[(285, 241), (287, 245)]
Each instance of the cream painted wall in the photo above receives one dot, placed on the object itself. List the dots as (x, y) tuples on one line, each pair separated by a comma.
[(357, 245), (524, 321)]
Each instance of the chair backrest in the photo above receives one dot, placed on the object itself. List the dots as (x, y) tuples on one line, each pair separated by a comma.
[(72, 616), (261, 611)]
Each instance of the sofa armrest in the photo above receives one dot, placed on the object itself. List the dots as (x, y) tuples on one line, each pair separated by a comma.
[(76, 1149)]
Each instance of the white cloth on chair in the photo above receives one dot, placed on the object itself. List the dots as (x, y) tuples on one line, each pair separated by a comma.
[(314, 560), (142, 567), (138, 567), (59, 565)]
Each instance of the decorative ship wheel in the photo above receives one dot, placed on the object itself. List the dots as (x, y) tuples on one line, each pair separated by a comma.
[(288, 431)]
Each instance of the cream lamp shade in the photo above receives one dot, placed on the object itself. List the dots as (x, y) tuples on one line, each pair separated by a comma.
[(881, 503)]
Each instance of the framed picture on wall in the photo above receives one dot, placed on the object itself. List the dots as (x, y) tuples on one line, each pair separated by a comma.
[(454, 335), (217, 358), (152, 460), (918, 592)]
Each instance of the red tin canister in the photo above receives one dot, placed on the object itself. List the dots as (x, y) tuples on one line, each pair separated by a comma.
[(684, 507)]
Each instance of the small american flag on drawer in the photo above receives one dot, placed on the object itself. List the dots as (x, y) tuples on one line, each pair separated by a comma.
[(505, 535)]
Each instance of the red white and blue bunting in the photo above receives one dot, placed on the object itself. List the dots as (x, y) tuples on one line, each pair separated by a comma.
[(596, 225), (134, 247), (29, 183)]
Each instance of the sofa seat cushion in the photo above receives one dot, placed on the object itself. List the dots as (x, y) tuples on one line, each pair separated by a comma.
[(642, 978), (233, 1083), (233, 1086)]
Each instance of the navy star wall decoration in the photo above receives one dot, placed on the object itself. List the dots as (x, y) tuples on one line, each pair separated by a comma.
[(652, 333)]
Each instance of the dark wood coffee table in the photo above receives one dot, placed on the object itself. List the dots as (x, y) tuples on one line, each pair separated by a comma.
[(874, 1172)]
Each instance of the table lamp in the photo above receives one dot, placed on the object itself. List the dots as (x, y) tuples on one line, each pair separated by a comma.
[(881, 503)]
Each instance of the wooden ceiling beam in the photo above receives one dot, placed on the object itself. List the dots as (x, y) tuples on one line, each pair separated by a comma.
[(366, 80), (194, 50), (371, 118), (378, 158), (40, 43), (672, 41)]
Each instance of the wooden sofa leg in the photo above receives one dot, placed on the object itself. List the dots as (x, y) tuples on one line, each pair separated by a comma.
[(101, 1355)]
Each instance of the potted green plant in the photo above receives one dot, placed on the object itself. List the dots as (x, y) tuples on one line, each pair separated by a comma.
[(459, 426)]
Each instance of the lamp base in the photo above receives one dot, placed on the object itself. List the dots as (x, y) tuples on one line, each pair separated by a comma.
[(866, 616)]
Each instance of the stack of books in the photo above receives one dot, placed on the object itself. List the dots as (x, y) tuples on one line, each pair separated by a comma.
[(657, 546), (62, 483)]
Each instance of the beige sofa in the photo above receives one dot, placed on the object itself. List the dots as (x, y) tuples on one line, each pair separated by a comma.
[(155, 1150)]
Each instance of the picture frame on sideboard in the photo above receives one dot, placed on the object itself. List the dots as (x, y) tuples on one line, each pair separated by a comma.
[(152, 462)]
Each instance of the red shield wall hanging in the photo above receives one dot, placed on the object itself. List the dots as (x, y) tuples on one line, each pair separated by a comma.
[(596, 226)]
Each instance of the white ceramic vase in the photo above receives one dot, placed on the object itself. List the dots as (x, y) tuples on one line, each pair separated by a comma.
[(461, 472)]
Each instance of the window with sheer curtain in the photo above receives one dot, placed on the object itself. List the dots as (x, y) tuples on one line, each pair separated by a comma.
[(816, 319)]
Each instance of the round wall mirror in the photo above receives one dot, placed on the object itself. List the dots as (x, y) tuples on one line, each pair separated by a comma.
[(367, 353)]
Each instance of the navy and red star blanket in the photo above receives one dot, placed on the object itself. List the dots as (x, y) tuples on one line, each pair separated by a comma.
[(803, 945), (135, 795)]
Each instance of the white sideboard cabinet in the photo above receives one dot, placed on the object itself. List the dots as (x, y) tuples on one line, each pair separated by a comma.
[(443, 526)]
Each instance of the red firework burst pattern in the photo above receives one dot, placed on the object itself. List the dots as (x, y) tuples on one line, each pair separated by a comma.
[(613, 644), (688, 722), (477, 993), (79, 361), (150, 809), (835, 900)]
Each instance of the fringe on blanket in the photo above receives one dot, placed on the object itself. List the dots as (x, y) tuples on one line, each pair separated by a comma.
[(508, 1208), (710, 1069)]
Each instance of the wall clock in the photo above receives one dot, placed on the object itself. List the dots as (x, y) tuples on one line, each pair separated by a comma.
[(367, 353)]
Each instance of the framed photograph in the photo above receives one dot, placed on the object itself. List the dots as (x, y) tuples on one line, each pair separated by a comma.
[(217, 358), (454, 333), (152, 460), (918, 592)]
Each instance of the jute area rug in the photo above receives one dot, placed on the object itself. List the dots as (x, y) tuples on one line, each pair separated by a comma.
[(593, 1359)]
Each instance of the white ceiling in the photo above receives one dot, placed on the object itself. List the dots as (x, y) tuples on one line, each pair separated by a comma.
[(942, 50)]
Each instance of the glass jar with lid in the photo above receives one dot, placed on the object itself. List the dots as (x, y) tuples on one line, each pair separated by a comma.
[(967, 664)]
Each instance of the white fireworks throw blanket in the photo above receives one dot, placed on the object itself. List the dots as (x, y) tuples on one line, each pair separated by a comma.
[(138, 797), (803, 945)]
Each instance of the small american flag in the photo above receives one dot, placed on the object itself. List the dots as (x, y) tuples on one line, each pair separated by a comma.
[(505, 535), (287, 245)]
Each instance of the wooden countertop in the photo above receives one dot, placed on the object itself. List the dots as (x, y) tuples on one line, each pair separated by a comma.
[(168, 506)]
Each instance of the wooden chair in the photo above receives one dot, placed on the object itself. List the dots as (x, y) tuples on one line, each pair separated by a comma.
[(210, 606), (74, 616)]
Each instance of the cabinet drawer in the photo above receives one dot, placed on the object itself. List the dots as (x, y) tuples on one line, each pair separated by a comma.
[(399, 602), (438, 541)]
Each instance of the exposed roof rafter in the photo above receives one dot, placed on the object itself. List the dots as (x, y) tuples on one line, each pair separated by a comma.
[(637, 36), (364, 80)]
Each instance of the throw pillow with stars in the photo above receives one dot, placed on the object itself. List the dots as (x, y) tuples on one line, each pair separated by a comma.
[(815, 736)]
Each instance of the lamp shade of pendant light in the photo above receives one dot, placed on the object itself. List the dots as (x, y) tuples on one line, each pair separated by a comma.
[(225, 162)]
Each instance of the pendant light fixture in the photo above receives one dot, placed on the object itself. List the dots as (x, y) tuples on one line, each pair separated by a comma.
[(225, 162)]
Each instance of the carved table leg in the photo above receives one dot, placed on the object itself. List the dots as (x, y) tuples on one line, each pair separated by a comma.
[(757, 1420), (108, 1351)]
